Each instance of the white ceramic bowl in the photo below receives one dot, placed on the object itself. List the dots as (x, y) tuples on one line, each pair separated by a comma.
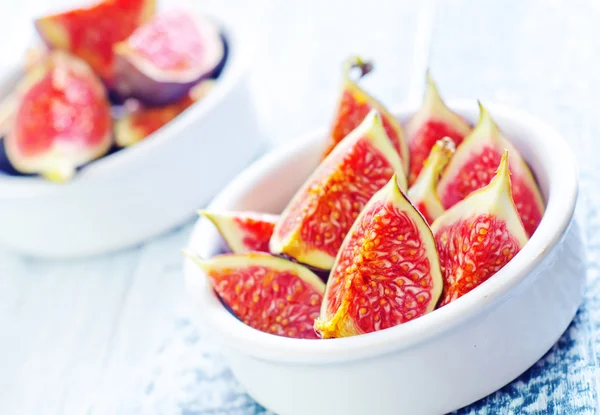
[(439, 362), (136, 193)]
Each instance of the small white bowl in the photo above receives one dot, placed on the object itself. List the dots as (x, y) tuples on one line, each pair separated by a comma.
[(141, 191), (435, 364)]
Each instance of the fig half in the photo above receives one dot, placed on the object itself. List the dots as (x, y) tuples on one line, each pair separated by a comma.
[(162, 60), (387, 271), (61, 119), (355, 103), (423, 192), (479, 235), (267, 293), (432, 122), (313, 225), (474, 164), (244, 231), (91, 32)]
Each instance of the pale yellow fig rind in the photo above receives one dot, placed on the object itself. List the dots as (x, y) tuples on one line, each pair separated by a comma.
[(53, 33), (338, 325), (126, 134), (229, 261), (292, 245), (224, 222)]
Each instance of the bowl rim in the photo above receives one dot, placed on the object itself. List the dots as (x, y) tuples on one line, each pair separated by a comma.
[(563, 187), (241, 49)]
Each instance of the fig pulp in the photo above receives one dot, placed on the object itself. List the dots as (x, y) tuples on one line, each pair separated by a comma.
[(387, 271), (267, 293), (244, 231), (313, 225), (162, 60), (61, 119), (474, 163), (354, 104), (478, 236), (140, 121), (431, 123), (91, 32), (423, 192)]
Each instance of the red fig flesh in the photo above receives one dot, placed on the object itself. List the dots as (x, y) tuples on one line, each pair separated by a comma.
[(91, 32), (423, 192), (478, 236), (162, 60), (313, 225), (431, 123), (387, 271), (354, 104), (139, 122), (61, 119), (244, 231), (473, 166), (267, 293)]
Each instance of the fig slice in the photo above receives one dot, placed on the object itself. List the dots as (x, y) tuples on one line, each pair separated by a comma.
[(244, 231), (387, 271), (423, 193), (313, 225), (267, 293), (163, 59), (91, 32), (432, 122), (474, 164), (61, 119), (140, 121), (355, 103), (479, 235)]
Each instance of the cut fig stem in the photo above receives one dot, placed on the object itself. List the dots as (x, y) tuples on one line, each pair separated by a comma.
[(441, 155), (356, 62)]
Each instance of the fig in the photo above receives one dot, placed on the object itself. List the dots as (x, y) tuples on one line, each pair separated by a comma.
[(162, 60), (314, 223), (387, 271), (473, 166), (140, 121), (61, 119), (423, 192), (34, 56), (432, 122), (479, 235), (244, 231), (91, 32), (267, 293), (355, 103)]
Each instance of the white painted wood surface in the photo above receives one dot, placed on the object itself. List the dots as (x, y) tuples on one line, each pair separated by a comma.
[(84, 337)]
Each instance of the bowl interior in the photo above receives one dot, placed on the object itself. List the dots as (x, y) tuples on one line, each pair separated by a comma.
[(270, 183)]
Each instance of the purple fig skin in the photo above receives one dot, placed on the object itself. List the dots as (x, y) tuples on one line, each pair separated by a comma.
[(137, 77)]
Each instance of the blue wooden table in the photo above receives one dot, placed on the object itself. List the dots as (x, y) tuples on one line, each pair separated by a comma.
[(112, 334)]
